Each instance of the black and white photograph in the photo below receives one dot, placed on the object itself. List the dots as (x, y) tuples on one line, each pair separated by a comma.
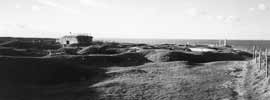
[(134, 49)]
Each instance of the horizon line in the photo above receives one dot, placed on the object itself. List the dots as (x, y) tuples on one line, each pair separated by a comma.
[(140, 38)]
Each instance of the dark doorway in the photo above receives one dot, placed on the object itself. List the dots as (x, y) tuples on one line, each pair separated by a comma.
[(67, 42)]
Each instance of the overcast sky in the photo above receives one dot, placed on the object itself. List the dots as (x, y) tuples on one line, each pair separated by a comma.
[(189, 19)]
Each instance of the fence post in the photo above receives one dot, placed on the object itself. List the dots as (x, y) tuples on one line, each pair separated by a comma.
[(266, 61), (253, 52), (260, 58), (50, 52), (219, 43), (255, 56)]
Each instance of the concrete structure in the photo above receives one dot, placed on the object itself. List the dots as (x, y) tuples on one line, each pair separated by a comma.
[(75, 39), (202, 49)]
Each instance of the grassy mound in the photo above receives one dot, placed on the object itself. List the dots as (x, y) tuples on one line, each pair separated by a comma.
[(167, 55), (60, 77), (69, 50), (43, 71), (47, 79), (7, 51), (100, 49), (61, 69), (125, 59), (30, 45)]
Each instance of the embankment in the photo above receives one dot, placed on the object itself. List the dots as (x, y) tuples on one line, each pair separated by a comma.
[(25, 78), (199, 57), (61, 69)]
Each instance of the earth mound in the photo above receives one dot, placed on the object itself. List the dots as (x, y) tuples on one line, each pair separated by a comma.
[(123, 60), (9, 51), (28, 45), (43, 71), (100, 49), (179, 55)]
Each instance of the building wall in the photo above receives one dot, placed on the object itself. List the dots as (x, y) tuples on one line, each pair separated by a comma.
[(75, 40), (71, 40), (84, 39)]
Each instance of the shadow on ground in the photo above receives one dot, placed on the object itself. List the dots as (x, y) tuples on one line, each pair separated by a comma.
[(47, 79)]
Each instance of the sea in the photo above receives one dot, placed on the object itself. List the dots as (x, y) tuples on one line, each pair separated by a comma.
[(246, 45)]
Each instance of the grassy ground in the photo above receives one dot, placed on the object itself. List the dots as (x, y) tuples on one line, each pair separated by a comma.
[(170, 81), (255, 84), (131, 75), (152, 81)]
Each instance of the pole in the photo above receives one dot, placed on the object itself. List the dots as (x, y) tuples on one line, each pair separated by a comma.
[(266, 61), (255, 56), (260, 56), (253, 52), (225, 42), (219, 43)]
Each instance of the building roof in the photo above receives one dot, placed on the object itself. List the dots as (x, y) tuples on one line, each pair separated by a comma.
[(74, 36), (69, 36)]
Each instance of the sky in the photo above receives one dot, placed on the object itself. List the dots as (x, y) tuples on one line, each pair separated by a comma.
[(158, 19)]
